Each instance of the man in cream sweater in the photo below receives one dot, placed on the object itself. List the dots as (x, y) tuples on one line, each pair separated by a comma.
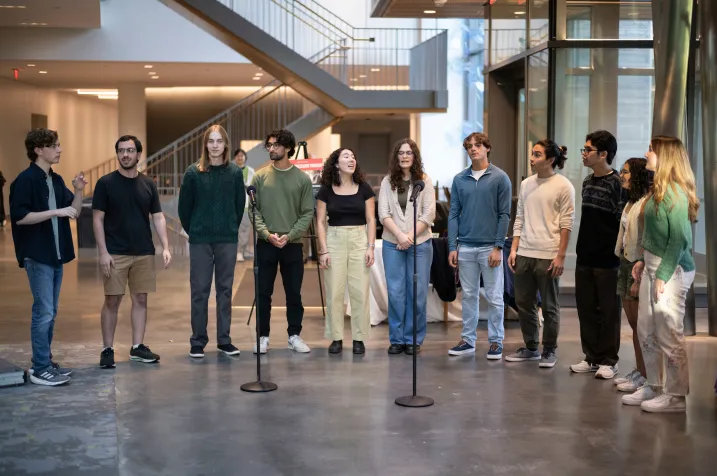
[(543, 222)]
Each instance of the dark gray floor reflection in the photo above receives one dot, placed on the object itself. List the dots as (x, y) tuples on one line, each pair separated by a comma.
[(331, 414)]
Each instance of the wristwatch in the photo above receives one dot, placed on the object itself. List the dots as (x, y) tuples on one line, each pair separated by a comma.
[(372, 245)]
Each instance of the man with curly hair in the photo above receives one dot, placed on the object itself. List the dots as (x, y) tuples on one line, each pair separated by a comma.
[(40, 210), (478, 222), (284, 210)]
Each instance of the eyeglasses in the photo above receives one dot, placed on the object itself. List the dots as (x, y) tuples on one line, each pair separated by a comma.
[(407, 153), (587, 150), (273, 145), (131, 150)]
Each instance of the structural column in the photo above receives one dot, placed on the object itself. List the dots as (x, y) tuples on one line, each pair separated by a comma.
[(708, 58), (132, 112)]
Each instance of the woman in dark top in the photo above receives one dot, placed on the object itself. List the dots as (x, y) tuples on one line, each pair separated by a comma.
[(346, 248)]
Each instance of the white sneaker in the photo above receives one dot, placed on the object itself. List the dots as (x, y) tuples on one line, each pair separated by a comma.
[(606, 372), (642, 394), (632, 385), (298, 345), (263, 345), (583, 367), (240, 258), (665, 404), (628, 377)]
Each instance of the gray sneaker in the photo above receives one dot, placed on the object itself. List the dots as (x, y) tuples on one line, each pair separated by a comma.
[(49, 376), (548, 359), (523, 355)]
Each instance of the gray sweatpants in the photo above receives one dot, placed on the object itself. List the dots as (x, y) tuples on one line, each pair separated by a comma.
[(206, 259)]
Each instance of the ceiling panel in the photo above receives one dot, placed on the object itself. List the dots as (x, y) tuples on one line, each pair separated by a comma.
[(417, 8), (50, 13)]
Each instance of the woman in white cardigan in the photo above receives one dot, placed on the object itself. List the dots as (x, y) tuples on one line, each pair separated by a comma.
[(395, 212), (636, 180)]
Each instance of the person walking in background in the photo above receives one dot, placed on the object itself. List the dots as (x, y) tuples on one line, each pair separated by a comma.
[(41, 207), (395, 211), (636, 180), (211, 206), (665, 273), (346, 249), (246, 243), (122, 202), (481, 198), (597, 266), (284, 210), (543, 222)]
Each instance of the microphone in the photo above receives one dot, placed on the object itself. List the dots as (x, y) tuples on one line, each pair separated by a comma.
[(417, 188), (251, 191)]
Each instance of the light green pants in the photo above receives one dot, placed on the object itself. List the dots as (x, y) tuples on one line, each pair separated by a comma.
[(347, 249)]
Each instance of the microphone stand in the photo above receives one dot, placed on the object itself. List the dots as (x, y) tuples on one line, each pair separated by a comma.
[(414, 401), (259, 386)]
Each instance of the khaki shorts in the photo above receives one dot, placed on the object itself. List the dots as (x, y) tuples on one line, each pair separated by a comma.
[(138, 271)]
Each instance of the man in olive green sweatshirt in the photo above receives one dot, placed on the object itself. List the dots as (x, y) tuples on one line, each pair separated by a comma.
[(284, 210)]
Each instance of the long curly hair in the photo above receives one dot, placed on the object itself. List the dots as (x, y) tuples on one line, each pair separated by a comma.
[(673, 170), (640, 179), (330, 174), (394, 166)]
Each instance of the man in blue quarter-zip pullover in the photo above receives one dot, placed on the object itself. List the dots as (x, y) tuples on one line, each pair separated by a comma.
[(478, 221)]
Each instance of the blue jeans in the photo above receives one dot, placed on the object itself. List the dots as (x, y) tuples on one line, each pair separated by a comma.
[(398, 266), (472, 263), (45, 282)]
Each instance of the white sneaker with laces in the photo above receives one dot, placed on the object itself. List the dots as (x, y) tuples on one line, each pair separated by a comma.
[(263, 345), (632, 385), (298, 345), (665, 404), (606, 372), (646, 392), (583, 367), (628, 377)]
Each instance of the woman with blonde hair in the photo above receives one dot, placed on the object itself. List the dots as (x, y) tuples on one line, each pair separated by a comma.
[(665, 273), (346, 249), (211, 206), (395, 211)]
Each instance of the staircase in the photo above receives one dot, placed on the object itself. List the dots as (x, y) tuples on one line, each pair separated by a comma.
[(324, 70)]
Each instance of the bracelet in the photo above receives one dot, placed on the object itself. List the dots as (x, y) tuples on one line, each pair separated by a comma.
[(322, 254), (372, 246)]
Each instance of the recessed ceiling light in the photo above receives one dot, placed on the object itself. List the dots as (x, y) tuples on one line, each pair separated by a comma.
[(519, 13), (258, 74), (155, 77), (30, 65), (362, 75), (13, 6), (152, 73), (256, 78), (148, 66), (42, 72), (375, 70), (33, 24), (354, 79), (430, 12)]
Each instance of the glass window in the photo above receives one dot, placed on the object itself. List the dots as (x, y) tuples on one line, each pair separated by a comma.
[(537, 81), (508, 27), (615, 92), (538, 22), (609, 20)]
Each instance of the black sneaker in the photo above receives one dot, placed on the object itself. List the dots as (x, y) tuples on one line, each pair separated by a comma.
[(143, 354), (359, 348), (394, 349), (196, 352), (107, 358), (228, 349), (410, 349)]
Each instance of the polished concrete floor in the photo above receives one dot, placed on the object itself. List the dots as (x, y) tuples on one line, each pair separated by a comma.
[(332, 415)]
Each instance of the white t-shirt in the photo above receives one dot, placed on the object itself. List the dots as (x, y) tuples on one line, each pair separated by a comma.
[(545, 206), (478, 173)]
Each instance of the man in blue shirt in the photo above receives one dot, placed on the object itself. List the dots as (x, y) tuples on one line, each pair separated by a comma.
[(40, 210), (481, 199)]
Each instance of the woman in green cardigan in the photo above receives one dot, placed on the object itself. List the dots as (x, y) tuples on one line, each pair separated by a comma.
[(665, 273)]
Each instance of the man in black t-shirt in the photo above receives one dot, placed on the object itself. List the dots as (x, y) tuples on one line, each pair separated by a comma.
[(121, 205)]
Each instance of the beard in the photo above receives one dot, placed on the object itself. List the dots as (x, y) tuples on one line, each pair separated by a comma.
[(275, 156), (131, 165)]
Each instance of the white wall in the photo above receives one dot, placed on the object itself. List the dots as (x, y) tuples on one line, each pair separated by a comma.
[(87, 128), (132, 30)]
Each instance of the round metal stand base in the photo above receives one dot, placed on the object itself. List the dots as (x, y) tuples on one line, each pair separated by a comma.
[(414, 401), (259, 387)]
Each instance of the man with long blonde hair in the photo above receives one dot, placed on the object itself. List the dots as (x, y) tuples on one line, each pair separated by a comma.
[(211, 206), (665, 273)]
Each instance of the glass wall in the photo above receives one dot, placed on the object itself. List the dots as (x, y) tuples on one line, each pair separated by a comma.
[(537, 99), (538, 22), (474, 62), (609, 20), (602, 88), (508, 29)]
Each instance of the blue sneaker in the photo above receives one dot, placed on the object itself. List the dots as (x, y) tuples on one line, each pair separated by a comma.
[(495, 352), (463, 347)]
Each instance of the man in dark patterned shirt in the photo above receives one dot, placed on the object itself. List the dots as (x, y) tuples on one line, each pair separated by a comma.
[(596, 271)]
